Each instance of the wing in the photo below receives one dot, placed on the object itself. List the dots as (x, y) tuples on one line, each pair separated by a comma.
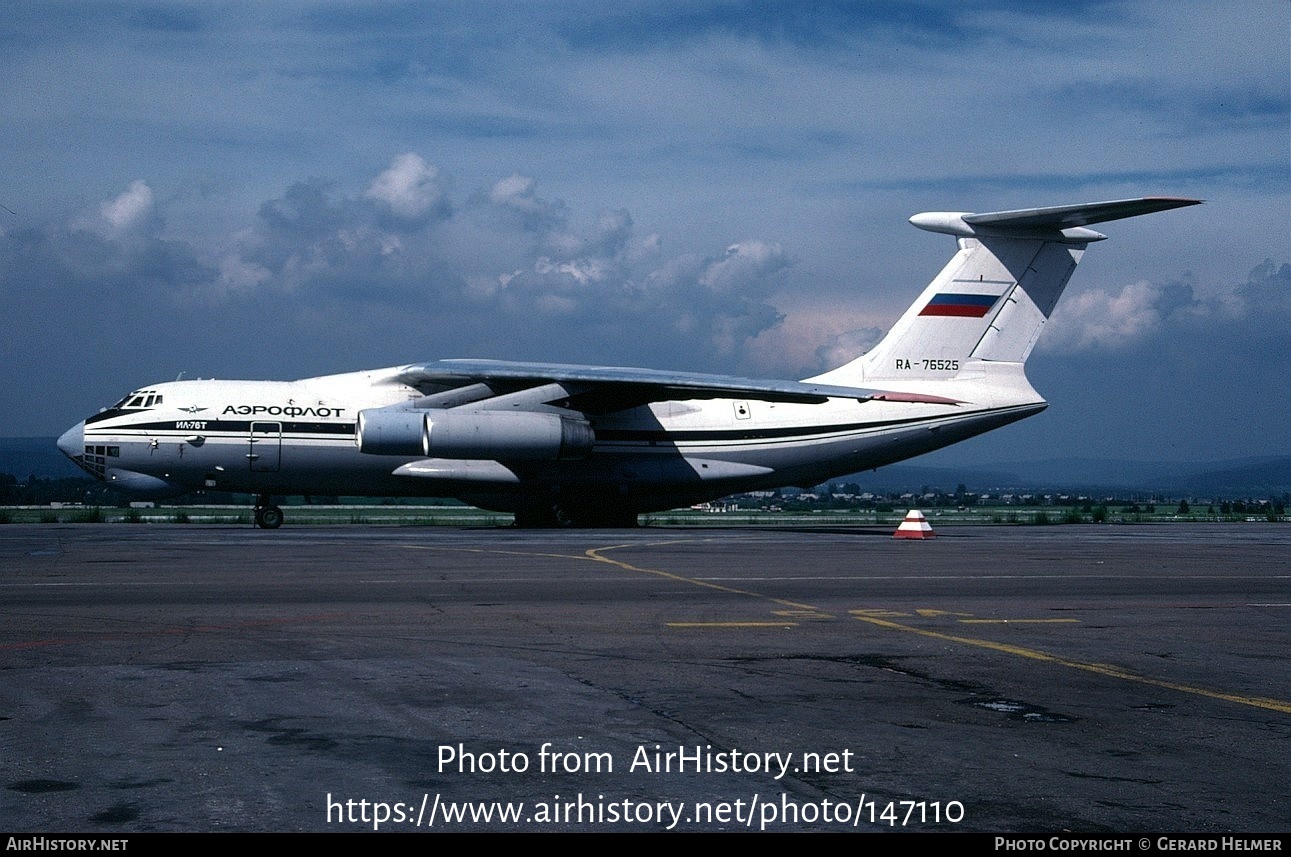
[(605, 389)]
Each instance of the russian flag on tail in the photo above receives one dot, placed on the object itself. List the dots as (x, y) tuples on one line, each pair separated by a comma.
[(960, 305)]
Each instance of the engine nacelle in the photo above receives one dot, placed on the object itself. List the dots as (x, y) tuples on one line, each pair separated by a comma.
[(481, 435), (506, 436), (382, 432)]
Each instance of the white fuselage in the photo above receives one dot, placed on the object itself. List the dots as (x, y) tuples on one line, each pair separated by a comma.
[(298, 437)]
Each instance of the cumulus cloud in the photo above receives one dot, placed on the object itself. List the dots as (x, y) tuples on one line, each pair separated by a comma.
[(237, 274), (129, 209), (619, 291), (512, 273), (1267, 291), (1143, 312), (516, 191), (509, 273), (743, 262), (131, 213), (409, 187), (386, 276), (1098, 319), (111, 249), (517, 195), (847, 346)]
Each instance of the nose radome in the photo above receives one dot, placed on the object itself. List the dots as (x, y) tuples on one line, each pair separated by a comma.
[(72, 441)]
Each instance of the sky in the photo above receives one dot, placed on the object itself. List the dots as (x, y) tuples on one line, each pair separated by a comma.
[(290, 189)]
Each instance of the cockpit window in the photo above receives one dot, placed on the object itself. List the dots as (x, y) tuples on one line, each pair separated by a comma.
[(138, 399)]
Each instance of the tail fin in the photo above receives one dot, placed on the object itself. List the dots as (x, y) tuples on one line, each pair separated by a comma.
[(993, 298)]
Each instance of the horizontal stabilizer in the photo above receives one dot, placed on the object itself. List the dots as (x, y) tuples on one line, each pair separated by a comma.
[(1067, 220)]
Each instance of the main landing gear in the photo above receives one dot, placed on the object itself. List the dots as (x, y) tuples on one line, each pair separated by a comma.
[(268, 516), (560, 516)]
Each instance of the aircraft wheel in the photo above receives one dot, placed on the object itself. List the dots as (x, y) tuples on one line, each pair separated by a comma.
[(579, 516), (536, 518), (609, 517), (269, 517)]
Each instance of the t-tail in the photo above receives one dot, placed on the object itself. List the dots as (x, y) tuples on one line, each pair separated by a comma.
[(991, 301)]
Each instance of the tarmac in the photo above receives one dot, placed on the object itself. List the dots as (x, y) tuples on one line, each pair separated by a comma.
[(1096, 679)]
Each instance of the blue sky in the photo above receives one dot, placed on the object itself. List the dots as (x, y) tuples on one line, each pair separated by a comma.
[(278, 190)]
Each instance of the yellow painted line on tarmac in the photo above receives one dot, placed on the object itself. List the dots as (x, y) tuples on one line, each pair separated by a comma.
[(1099, 669), (874, 617), (802, 614), (595, 554)]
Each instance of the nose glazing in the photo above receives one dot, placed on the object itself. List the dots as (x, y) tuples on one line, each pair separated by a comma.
[(72, 441)]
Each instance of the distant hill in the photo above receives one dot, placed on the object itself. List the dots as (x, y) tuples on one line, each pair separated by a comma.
[(1243, 477), (35, 456), (1259, 477), (1237, 478)]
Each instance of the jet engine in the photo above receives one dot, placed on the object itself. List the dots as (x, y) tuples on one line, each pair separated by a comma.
[(481, 435), (382, 432)]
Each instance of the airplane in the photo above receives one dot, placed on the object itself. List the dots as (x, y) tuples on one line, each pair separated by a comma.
[(595, 446)]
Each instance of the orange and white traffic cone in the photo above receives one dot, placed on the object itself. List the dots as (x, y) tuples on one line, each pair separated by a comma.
[(915, 526)]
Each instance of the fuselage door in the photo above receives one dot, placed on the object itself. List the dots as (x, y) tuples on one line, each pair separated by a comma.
[(265, 448)]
